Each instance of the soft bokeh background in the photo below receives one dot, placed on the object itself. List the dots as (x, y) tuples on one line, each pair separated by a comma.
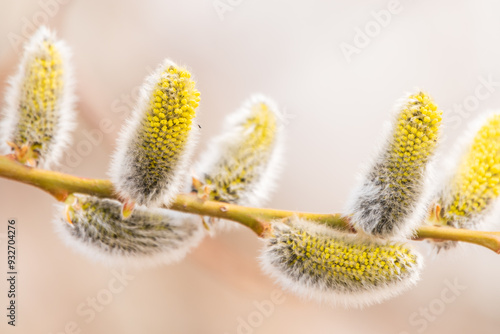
[(291, 51)]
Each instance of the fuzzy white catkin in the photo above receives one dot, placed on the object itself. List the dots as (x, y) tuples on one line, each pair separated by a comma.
[(155, 146), (318, 262), (393, 195), (241, 165), (469, 196), (94, 227), (39, 101)]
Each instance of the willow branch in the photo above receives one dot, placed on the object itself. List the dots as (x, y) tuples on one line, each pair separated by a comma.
[(61, 185), (57, 184)]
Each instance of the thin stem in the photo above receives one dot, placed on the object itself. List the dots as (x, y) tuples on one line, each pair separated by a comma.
[(193, 204), (489, 240), (57, 184), (61, 185)]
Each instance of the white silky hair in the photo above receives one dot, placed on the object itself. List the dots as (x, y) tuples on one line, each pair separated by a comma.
[(305, 287), (61, 138), (121, 170), (365, 205), (139, 248), (227, 143)]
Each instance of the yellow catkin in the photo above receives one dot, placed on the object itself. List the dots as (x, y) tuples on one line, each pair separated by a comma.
[(340, 267), (40, 91), (476, 182), (414, 141), (388, 202), (154, 149), (169, 118), (39, 113), (240, 159)]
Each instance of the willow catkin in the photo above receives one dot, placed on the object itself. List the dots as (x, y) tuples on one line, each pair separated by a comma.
[(390, 201), (241, 165), (319, 262), (155, 146), (38, 117), (94, 227), (468, 198)]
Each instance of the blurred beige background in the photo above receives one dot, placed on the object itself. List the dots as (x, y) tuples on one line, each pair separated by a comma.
[(290, 50)]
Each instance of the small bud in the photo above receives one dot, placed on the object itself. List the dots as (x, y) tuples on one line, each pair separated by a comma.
[(242, 163), (391, 200), (469, 197), (38, 117), (149, 236), (315, 261), (155, 146)]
